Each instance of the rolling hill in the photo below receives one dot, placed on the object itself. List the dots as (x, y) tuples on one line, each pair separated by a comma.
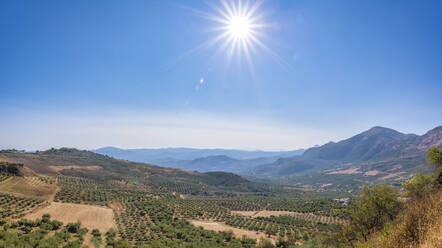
[(203, 160), (217, 163), (73, 162)]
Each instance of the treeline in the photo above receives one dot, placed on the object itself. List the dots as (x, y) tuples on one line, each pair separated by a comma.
[(381, 218), (47, 233), (12, 151), (10, 168)]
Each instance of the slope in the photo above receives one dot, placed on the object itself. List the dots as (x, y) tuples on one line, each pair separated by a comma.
[(378, 154), (73, 162)]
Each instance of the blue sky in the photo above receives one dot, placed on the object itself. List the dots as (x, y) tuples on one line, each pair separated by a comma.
[(128, 73)]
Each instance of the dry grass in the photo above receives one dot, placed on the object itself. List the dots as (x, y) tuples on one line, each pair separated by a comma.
[(28, 187), (421, 226), (238, 233), (91, 217)]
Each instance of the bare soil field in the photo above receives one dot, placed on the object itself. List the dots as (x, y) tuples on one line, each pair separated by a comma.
[(117, 207), (90, 216), (28, 186), (392, 175), (371, 173), (305, 216), (348, 171), (238, 233)]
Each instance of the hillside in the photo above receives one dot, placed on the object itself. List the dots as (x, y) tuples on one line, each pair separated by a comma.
[(141, 205), (203, 160), (376, 144), (217, 163), (73, 162), (378, 154)]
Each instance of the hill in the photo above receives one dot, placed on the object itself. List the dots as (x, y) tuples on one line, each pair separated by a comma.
[(217, 163), (376, 144), (378, 154), (236, 161), (73, 162)]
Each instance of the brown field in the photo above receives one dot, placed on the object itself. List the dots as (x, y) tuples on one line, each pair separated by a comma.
[(59, 168), (371, 173), (90, 216), (395, 167), (306, 216), (28, 186), (348, 171), (238, 233), (392, 175)]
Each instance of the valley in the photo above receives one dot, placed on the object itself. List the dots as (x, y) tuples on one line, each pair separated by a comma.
[(154, 206), (135, 204)]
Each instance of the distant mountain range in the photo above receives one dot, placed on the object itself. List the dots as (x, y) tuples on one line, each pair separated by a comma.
[(376, 144), (202, 160), (218, 163), (379, 153)]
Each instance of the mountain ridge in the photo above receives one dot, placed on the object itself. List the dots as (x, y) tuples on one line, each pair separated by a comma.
[(375, 151), (184, 153)]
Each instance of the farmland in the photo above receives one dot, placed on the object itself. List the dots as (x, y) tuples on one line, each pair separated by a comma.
[(150, 206), (92, 217), (144, 217)]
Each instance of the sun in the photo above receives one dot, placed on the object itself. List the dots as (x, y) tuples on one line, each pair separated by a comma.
[(239, 27)]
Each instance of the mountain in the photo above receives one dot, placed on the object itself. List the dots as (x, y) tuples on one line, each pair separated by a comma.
[(203, 160), (189, 153), (375, 144), (217, 163), (378, 153)]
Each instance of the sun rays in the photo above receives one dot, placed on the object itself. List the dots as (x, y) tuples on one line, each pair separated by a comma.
[(240, 26)]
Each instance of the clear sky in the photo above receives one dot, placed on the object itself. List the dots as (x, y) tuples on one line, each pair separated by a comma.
[(134, 74)]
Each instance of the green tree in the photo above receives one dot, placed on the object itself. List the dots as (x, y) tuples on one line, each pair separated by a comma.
[(122, 244), (417, 186), (434, 157), (96, 233), (73, 227), (265, 243), (375, 207)]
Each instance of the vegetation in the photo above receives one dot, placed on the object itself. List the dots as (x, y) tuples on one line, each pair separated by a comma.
[(155, 206), (379, 219), (7, 168), (41, 233), (16, 206)]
